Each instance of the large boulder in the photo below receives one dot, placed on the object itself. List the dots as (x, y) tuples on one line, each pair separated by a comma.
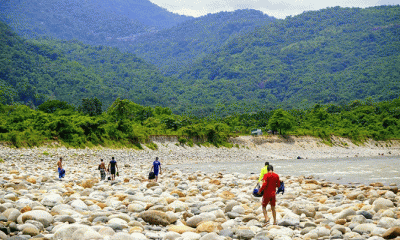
[(364, 228), (179, 206), (386, 222), (208, 227), (392, 233), (79, 205), (180, 229), (290, 219), (155, 217), (136, 207), (51, 200), (39, 215), (245, 234), (194, 221), (345, 213), (67, 231), (382, 203)]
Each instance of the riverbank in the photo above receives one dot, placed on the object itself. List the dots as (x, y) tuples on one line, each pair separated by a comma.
[(246, 148)]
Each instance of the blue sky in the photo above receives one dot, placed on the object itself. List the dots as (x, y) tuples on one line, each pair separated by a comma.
[(276, 8)]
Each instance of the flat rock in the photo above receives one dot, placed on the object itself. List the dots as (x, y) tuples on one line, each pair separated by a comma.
[(364, 228), (155, 217)]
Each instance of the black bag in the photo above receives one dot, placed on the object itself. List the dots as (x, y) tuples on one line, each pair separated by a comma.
[(152, 175)]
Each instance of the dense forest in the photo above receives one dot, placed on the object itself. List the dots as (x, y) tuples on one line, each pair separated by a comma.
[(176, 48), (327, 56), (240, 62), (92, 21), (34, 71), (127, 124)]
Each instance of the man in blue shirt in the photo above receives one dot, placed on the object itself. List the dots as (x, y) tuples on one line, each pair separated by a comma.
[(111, 168), (157, 167)]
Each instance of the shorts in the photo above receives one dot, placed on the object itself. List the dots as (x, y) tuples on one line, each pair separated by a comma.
[(112, 171), (155, 173), (269, 199)]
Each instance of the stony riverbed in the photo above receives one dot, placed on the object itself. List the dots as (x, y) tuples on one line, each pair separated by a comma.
[(207, 206)]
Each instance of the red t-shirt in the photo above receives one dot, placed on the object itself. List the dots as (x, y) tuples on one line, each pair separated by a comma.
[(271, 182)]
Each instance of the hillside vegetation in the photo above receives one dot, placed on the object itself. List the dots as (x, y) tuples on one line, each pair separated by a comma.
[(33, 71), (176, 48), (92, 21), (127, 124), (224, 63), (326, 56)]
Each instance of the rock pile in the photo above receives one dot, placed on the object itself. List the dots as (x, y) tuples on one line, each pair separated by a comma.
[(34, 203)]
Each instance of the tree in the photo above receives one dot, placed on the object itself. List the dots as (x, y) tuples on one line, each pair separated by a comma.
[(51, 106), (281, 120), (91, 106)]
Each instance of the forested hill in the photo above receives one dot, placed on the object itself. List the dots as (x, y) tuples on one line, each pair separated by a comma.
[(177, 47), (90, 21), (144, 11), (326, 56), (32, 71)]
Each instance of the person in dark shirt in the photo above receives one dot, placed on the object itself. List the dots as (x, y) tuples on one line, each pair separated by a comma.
[(157, 168), (271, 182), (111, 168)]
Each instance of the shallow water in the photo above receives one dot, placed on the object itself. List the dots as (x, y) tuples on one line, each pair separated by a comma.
[(360, 170)]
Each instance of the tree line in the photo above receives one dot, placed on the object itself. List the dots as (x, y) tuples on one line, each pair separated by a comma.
[(127, 124)]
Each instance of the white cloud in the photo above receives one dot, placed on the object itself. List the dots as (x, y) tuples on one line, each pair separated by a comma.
[(276, 8)]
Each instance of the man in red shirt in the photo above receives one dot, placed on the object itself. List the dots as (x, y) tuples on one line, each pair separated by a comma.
[(271, 182)]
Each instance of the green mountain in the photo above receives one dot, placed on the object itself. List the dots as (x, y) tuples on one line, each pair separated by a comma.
[(327, 56), (144, 11), (335, 55), (91, 21), (32, 71), (177, 47)]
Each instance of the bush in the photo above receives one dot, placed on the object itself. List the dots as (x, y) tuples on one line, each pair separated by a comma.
[(182, 140), (152, 146)]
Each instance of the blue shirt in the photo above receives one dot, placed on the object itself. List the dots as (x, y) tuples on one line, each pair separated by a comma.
[(113, 163), (156, 165)]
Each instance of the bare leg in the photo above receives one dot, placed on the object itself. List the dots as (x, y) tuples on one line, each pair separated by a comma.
[(264, 208), (273, 213)]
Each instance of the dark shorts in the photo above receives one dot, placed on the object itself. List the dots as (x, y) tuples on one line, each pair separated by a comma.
[(269, 199), (155, 173), (112, 170)]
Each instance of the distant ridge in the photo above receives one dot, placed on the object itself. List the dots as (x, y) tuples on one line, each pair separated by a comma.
[(90, 21), (177, 47)]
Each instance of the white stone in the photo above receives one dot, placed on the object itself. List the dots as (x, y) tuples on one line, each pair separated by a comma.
[(190, 236), (51, 200), (79, 205)]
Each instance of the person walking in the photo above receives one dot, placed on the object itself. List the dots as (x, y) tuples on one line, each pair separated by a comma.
[(270, 183), (102, 168), (264, 170), (61, 171), (157, 168), (112, 166)]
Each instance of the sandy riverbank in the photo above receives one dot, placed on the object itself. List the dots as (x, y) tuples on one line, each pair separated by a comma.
[(247, 149)]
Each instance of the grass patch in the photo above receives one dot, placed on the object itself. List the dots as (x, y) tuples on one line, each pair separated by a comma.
[(1, 160), (46, 153), (152, 146)]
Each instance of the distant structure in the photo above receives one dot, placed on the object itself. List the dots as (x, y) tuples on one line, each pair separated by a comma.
[(256, 132)]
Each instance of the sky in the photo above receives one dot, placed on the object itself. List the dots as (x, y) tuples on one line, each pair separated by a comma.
[(275, 8)]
